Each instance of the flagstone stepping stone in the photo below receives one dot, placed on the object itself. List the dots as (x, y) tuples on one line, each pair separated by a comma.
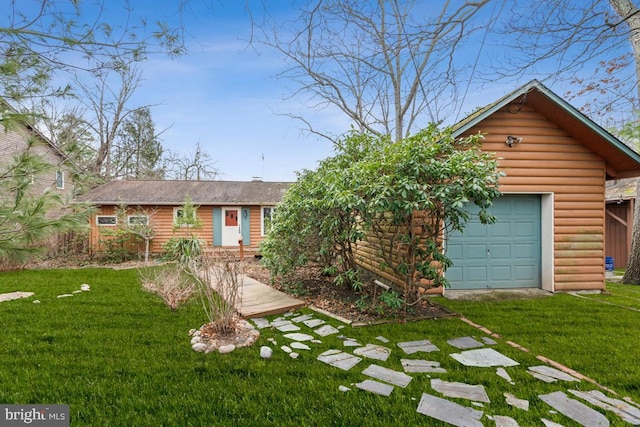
[(483, 358), (489, 341), (502, 373), (261, 323), (15, 295), (288, 327), (312, 323), (449, 412), (388, 375), (550, 373), (343, 388), (302, 318), (461, 390), (549, 423), (326, 330), (577, 411), (299, 346), (297, 336), (422, 366), (411, 347), (375, 387), (624, 410), (504, 421), (516, 402), (339, 359), (382, 339), (351, 343), (373, 351), (294, 355), (286, 349), (465, 343)]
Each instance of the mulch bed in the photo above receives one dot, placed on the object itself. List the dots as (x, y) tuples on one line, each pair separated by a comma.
[(319, 290)]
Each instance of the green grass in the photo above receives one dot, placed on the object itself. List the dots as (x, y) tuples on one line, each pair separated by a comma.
[(119, 357)]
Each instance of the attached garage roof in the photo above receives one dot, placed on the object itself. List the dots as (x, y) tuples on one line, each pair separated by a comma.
[(175, 193), (621, 160)]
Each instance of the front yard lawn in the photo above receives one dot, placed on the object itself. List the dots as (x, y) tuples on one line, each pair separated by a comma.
[(119, 357)]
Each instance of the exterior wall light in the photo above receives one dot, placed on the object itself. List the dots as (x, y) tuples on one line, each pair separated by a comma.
[(513, 140)]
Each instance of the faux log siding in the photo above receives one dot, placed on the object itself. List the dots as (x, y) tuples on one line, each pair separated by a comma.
[(548, 160), (163, 222)]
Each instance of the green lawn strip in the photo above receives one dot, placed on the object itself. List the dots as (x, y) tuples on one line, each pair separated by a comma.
[(597, 340), (119, 357)]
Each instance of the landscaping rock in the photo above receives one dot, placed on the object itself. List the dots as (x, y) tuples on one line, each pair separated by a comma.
[(553, 373), (502, 373), (199, 346), (312, 323), (504, 421), (465, 343), (339, 359), (299, 346), (516, 402), (65, 295), (624, 410), (266, 352), (326, 330), (422, 366), (296, 336), (294, 355), (344, 389), (286, 349), (228, 348)]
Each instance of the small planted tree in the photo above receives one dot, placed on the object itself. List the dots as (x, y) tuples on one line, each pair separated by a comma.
[(132, 226)]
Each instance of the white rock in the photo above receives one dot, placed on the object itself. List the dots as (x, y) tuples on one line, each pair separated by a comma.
[(266, 352), (293, 355), (344, 389), (76, 292), (199, 346), (211, 348), (36, 301), (65, 295), (85, 287), (224, 349), (286, 349), (192, 331), (195, 339)]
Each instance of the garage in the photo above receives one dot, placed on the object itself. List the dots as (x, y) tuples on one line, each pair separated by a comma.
[(503, 255)]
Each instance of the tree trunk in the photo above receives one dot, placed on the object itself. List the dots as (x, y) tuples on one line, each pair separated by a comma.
[(629, 15)]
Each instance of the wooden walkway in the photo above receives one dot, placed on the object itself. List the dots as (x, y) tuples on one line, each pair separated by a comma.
[(260, 300)]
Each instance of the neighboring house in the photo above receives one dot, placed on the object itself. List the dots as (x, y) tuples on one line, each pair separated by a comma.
[(550, 222), (227, 210), (14, 140), (620, 195)]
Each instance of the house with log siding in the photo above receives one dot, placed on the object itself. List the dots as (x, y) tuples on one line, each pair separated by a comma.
[(550, 220), (231, 213)]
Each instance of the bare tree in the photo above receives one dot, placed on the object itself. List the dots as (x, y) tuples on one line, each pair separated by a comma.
[(195, 166), (387, 65), (573, 33)]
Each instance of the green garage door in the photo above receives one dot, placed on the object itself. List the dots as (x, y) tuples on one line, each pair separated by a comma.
[(501, 255)]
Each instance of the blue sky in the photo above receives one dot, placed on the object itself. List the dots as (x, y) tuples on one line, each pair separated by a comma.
[(224, 92)]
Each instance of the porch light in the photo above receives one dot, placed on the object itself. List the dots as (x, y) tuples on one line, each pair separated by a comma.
[(513, 140)]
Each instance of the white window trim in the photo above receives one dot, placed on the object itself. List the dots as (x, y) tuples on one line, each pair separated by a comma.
[(60, 174), (175, 217), (106, 216), (146, 219), (262, 218)]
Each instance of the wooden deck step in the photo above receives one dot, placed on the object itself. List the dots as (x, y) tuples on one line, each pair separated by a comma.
[(260, 300)]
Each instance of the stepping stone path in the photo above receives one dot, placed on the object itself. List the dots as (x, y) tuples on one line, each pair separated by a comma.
[(381, 380)]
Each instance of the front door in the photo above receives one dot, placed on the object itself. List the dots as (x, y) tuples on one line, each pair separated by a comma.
[(231, 226)]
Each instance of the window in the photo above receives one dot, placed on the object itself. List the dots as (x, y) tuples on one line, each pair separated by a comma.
[(59, 180), (106, 220), (138, 220), (182, 218), (267, 216)]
